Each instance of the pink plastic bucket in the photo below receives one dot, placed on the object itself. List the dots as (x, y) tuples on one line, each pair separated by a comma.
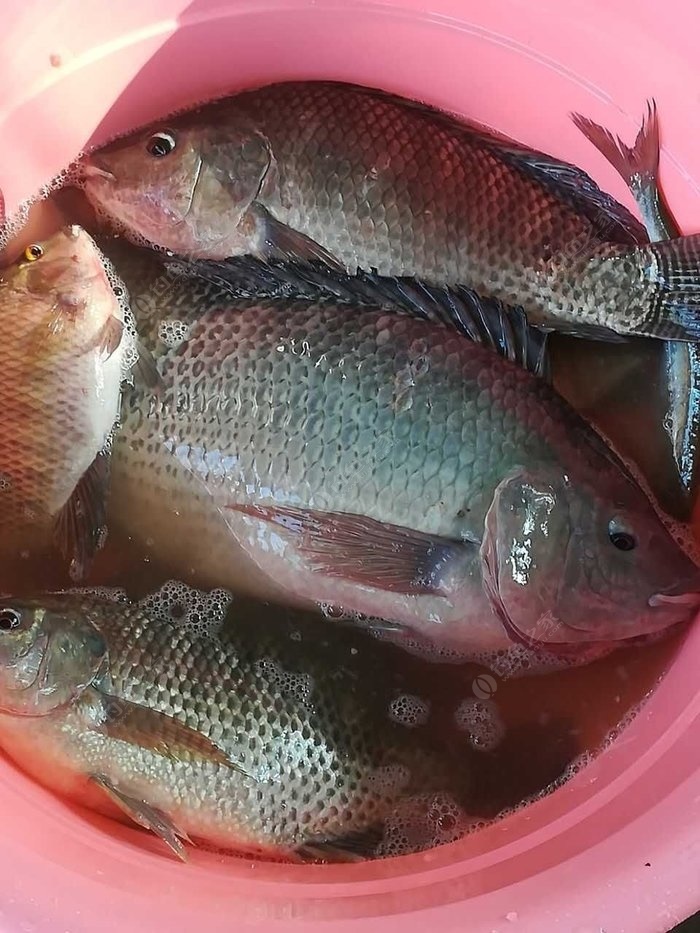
[(616, 849)]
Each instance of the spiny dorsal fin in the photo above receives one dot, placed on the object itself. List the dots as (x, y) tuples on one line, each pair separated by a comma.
[(483, 320)]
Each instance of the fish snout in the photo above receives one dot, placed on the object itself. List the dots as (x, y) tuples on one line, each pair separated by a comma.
[(92, 169), (683, 603)]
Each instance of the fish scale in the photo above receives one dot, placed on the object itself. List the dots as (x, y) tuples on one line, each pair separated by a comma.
[(313, 763), (59, 394), (348, 377), (329, 452), (359, 178), (433, 193)]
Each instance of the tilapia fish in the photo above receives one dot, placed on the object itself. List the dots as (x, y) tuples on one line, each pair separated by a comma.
[(64, 353), (639, 166), (359, 178), (264, 739), (392, 467)]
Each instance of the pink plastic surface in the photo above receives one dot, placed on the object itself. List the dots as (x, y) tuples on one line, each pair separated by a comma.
[(618, 848)]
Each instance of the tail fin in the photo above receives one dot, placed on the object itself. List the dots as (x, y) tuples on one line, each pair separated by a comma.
[(638, 165), (671, 272), (632, 162)]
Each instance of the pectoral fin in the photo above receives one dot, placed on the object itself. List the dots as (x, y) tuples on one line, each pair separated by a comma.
[(142, 813), (357, 548), (79, 526), (111, 336), (146, 368), (282, 242), (149, 728)]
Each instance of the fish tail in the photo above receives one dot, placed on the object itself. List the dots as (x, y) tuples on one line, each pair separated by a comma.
[(638, 164), (670, 274)]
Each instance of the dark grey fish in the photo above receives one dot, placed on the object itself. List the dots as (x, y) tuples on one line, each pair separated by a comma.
[(638, 165), (360, 179)]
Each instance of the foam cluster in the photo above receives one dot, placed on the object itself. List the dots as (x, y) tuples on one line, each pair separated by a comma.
[(409, 710), (177, 603), (420, 822), (173, 332), (288, 683), (482, 722)]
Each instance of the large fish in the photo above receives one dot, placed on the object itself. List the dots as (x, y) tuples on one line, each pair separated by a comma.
[(390, 466), (64, 354), (359, 178), (258, 736), (639, 166)]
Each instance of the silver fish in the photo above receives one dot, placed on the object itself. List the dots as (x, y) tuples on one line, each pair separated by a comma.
[(390, 466), (259, 736), (639, 166)]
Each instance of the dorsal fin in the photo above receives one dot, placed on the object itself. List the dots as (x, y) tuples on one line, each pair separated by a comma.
[(483, 320)]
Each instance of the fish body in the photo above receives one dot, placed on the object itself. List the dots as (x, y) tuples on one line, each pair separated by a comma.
[(258, 736), (638, 166), (358, 178), (62, 361), (390, 466)]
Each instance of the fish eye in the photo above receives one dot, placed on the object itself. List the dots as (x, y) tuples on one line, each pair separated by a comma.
[(10, 619), (161, 144), (33, 252), (620, 538)]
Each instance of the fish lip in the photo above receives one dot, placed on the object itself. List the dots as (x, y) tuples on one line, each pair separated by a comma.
[(93, 170), (691, 600)]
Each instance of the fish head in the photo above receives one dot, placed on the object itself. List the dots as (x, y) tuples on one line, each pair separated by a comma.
[(571, 565), (60, 293), (50, 651), (184, 186)]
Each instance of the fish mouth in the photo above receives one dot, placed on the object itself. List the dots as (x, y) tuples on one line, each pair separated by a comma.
[(562, 649), (580, 649), (690, 601), (92, 170)]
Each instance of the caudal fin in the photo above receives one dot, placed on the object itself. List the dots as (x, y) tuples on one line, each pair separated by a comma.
[(640, 161), (671, 272), (638, 165)]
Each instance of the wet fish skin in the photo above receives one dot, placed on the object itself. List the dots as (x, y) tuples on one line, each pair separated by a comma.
[(638, 165), (62, 361), (359, 178), (301, 727), (291, 434)]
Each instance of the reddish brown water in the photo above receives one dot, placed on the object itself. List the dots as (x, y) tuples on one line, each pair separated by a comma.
[(520, 734)]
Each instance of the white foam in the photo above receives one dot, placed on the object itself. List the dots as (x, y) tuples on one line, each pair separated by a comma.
[(409, 710), (507, 663), (289, 683), (339, 614), (173, 333), (113, 593), (421, 822), (176, 603), (482, 721)]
